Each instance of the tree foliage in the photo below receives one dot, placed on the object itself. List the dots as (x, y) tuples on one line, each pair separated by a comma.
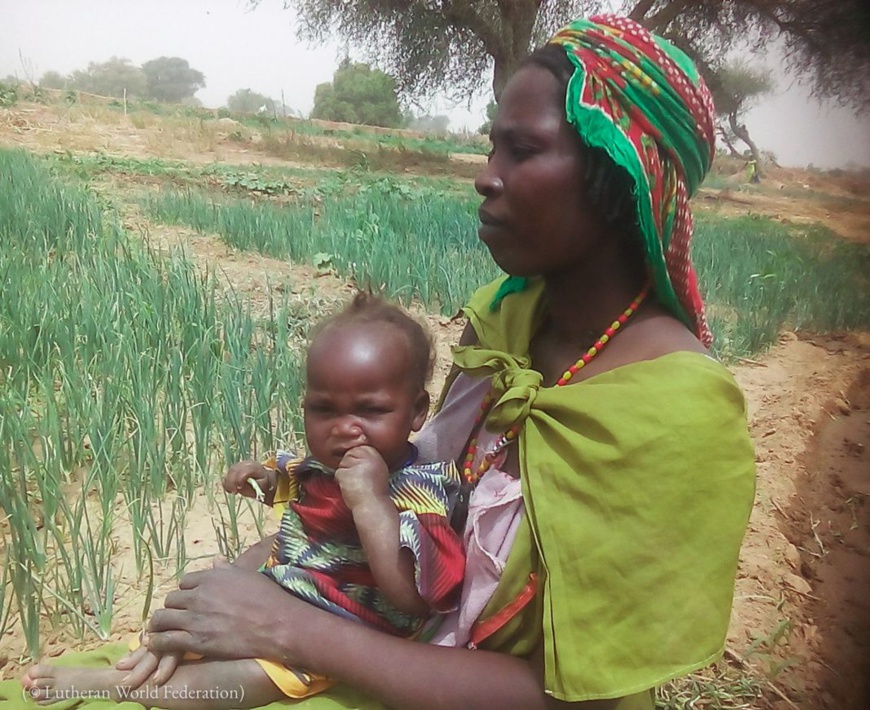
[(111, 78), (358, 94), (736, 87), (449, 44), (248, 101), (826, 44), (172, 79), (435, 44), (53, 80)]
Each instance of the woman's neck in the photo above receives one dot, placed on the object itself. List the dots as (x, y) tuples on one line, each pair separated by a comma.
[(581, 305)]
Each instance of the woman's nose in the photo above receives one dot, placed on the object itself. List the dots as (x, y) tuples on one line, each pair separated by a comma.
[(488, 183)]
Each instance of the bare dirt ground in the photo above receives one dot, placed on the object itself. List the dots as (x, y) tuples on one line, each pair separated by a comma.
[(801, 619)]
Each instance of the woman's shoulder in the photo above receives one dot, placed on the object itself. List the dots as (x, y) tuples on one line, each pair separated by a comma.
[(659, 334)]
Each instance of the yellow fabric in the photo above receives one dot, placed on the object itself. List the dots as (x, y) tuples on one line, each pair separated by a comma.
[(295, 684), (638, 485)]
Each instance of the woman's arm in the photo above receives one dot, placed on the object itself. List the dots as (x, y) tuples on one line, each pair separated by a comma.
[(212, 614)]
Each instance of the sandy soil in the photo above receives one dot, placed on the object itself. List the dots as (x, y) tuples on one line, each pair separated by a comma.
[(801, 618)]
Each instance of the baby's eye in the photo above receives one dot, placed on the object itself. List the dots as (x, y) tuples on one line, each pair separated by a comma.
[(376, 409)]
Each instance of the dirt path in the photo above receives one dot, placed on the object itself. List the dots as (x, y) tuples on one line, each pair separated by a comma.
[(802, 612)]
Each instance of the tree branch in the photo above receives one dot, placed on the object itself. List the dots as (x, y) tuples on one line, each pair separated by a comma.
[(461, 14), (638, 12), (660, 20)]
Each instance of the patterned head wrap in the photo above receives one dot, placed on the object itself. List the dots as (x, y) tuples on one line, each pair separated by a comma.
[(639, 99)]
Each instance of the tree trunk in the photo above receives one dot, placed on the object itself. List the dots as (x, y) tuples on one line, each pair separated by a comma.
[(517, 20), (505, 66), (741, 132), (726, 139)]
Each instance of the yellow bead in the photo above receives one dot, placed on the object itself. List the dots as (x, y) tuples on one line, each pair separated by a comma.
[(615, 325), (566, 375), (604, 338), (592, 351)]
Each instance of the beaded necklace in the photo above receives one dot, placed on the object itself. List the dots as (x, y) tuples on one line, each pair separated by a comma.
[(472, 476)]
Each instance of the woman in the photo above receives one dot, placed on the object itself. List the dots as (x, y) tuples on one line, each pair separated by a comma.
[(613, 469)]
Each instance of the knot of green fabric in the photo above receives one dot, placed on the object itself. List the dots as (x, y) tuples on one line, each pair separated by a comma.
[(514, 385)]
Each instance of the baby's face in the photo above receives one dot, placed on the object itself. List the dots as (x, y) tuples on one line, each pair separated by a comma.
[(358, 393)]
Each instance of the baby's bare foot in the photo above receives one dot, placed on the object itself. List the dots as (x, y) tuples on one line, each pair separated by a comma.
[(48, 684)]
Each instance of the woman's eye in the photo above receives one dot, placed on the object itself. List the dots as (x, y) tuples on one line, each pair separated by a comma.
[(521, 152)]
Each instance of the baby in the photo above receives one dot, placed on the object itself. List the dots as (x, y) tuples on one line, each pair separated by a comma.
[(365, 532)]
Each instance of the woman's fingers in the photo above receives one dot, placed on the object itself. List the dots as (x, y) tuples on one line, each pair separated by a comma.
[(174, 641), (166, 667), (129, 661), (191, 580), (166, 620), (211, 614), (144, 668)]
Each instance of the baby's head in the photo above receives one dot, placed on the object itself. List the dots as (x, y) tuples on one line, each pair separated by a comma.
[(366, 378)]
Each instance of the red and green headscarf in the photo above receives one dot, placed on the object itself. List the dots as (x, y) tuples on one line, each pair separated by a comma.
[(639, 99)]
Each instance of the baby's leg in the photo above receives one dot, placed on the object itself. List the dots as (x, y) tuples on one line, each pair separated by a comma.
[(198, 685)]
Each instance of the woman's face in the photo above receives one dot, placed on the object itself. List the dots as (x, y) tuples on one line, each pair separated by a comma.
[(359, 392), (535, 218)]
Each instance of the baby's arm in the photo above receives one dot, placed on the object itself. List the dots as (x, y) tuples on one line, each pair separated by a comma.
[(363, 478)]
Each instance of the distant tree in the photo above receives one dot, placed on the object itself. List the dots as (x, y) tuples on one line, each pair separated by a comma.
[(172, 79), (430, 124), (110, 78), (53, 80), (358, 94), (491, 109), (248, 101), (735, 88), (448, 44)]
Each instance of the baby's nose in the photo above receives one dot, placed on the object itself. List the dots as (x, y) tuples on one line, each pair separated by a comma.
[(350, 431)]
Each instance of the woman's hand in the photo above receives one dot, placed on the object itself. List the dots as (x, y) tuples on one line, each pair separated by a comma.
[(224, 612)]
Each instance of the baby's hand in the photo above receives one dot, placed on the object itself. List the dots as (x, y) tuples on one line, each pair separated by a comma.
[(362, 476), (251, 479)]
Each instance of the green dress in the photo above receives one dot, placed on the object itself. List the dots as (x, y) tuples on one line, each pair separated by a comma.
[(638, 484)]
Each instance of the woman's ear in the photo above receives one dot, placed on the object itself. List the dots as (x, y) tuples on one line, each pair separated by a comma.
[(421, 410)]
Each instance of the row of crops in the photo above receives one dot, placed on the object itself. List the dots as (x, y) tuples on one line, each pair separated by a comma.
[(127, 380), (123, 377)]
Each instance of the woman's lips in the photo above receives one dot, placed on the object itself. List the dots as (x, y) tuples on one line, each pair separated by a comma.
[(487, 219), (489, 227)]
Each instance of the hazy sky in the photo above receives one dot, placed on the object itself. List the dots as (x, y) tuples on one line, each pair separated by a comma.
[(237, 48)]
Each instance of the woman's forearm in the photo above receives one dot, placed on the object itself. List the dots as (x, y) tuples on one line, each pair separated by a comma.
[(211, 614), (406, 674)]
